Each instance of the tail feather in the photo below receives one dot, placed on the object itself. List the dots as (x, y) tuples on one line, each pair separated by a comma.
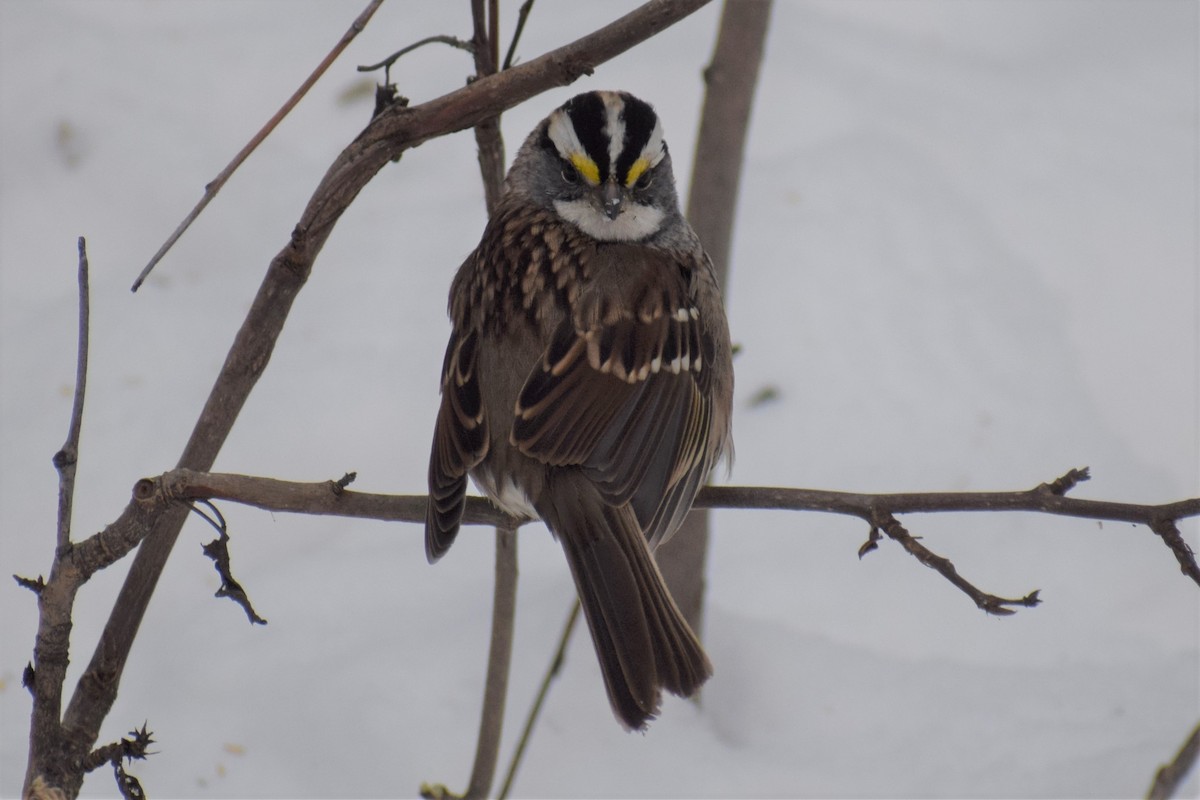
[(643, 643)]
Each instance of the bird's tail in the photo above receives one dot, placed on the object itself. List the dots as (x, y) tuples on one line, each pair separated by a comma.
[(641, 638)]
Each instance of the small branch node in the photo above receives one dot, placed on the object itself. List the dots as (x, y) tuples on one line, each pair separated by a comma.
[(437, 791), (34, 586), (872, 542), (29, 678), (1067, 482), (1168, 531), (999, 606), (64, 458), (134, 747), (145, 489), (341, 483)]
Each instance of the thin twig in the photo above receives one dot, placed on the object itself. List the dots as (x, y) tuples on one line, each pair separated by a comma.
[(522, 17), (214, 186), (1169, 776), (488, 140), (453, 41), (504, 604), (990, 603), (552, 671), (1168, 531), (493, 36), (491, 718), (66, 458)]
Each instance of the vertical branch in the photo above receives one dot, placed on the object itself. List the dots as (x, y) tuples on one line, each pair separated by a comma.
[(491, 721), (487, 133), (491, 169), (66, 458), (56, 597), (731, 78)]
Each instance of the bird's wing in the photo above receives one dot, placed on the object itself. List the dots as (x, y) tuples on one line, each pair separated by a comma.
[(460, 441), (623, 391)]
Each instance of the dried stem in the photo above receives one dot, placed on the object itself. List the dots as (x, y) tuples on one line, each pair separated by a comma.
[(216, 184)]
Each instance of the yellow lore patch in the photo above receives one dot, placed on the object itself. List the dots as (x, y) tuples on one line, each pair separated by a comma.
[(586, 167), (635, 172)]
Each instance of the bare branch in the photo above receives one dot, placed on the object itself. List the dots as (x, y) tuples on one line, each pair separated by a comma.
[(1169, 776), (504, 612), (988, 602), (487, 131), (440, 38), (878, 510), (1169, 531), (319, 498), (216, 184), (522, 17), (504, 603), (66, 458)]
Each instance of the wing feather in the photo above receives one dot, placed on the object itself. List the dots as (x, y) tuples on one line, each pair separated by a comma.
[(621, 393), (460, 441)]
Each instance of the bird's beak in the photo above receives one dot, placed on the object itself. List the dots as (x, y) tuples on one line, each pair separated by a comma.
[(613, 198)]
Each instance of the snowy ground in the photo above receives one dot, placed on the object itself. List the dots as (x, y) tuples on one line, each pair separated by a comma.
[(966, 258)]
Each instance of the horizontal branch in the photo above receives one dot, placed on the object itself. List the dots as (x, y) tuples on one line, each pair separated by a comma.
[(1039, 500), (332, 498)]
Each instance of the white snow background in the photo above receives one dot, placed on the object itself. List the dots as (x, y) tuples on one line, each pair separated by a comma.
[(966, 258)]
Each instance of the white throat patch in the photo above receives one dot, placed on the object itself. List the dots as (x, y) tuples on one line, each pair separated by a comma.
[(634, 223)]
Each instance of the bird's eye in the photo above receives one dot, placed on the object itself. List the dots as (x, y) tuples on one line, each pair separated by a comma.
[(569, 173), (644, 181)]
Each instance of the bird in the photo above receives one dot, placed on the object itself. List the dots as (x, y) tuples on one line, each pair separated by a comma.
[(588, 381)]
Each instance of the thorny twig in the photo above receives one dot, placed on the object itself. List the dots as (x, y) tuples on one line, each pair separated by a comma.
[(133, 748)]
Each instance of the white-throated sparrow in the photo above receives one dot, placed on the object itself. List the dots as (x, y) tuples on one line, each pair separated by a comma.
[(588, 380)]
